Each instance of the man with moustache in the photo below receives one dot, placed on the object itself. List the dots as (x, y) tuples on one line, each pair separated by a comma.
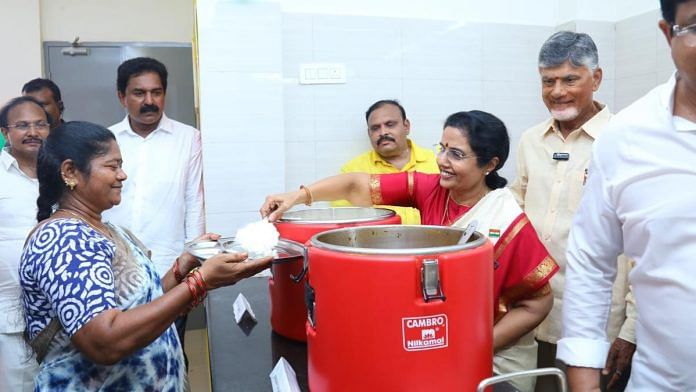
[(25, 125), (48, 93), (640, 200), (392, 151), (552, 162), (162, 201)]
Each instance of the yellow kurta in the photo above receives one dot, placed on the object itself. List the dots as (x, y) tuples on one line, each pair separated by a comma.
[(422, 160)]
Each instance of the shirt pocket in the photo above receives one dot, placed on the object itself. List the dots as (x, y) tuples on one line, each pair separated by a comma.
[(576, 185)]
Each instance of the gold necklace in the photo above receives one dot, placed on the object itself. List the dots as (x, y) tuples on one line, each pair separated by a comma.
[(445, 214), (105, 232)]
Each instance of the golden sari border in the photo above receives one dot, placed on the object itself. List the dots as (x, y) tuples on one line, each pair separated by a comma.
[(375, 189), (508, 237), (502, 309), (530, 283)]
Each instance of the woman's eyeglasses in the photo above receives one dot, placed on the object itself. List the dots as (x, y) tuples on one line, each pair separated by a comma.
[(453, 154)]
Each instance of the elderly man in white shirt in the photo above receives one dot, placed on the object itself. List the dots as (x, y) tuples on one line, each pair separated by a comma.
[(162, 201), (640, 199), (24, 124)]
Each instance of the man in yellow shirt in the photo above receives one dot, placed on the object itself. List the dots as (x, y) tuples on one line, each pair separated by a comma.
[(552, 162), (392, 151)]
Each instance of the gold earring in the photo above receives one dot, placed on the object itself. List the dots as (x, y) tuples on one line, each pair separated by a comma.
[(70, 183)]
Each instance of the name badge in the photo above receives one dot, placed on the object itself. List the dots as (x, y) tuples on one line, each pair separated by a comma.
[(561, 156)]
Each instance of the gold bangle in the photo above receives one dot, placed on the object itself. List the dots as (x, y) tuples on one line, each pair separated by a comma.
[(310, 199)]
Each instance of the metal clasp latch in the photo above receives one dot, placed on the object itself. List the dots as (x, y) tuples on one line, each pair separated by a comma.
[(305, 266), (430, 281)]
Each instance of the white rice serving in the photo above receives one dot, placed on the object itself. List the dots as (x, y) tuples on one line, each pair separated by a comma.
[(258, 238)]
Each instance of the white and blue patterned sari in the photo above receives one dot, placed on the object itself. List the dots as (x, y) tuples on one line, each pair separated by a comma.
[(72, 272)]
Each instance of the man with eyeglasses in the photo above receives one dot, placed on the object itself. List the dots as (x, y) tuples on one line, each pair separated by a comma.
[(392, 151), (552, 162), (48, 93), (640, 200), (24, 124)]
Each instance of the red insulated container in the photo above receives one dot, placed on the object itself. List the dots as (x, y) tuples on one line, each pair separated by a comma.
[(287, 284), (399, 308)]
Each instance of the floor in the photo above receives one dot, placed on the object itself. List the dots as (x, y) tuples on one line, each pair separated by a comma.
[(196, 348)]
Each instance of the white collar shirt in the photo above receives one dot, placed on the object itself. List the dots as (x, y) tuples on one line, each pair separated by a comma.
[(640, 198), (162, 199), (18, 194)]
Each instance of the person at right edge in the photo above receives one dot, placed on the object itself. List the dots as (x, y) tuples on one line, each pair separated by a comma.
[(552, 162), (640, 200)]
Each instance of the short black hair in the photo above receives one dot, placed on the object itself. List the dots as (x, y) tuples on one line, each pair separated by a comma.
[(136, 67), (37, 84), (383, 102), (669, 9), (14, 102)]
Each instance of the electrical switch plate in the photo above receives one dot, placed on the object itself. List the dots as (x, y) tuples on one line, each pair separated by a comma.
[(322, 73)]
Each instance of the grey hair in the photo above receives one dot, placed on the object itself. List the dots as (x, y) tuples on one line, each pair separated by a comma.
[(577, 48)]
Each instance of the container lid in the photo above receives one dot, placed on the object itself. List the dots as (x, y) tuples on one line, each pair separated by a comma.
[(396, 240), (336, 215)]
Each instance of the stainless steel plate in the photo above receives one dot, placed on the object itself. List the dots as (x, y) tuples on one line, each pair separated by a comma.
[(203, 250), (285, 250)]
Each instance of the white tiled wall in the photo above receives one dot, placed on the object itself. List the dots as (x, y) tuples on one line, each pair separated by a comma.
[(642, 57), (434, 68), (263, 132), (241, 109), (603, 34)]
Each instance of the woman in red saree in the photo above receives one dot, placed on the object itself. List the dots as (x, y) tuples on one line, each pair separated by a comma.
[(473, 147)]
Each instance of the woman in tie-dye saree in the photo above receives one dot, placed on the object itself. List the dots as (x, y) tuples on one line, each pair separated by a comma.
[(98, 316), (72, 272)]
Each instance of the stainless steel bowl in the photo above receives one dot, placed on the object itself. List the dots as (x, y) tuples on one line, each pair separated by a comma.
[(336, 214), (396, 240)]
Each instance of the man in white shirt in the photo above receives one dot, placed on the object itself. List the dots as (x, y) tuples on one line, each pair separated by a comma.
[(552, 162), (25, 125), (640, 198), (162, 202)]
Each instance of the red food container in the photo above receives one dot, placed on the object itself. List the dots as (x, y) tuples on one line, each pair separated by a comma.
[(399, 308), (287, 284)]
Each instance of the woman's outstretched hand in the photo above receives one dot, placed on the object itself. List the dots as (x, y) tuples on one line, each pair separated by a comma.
[(275, 205), (227, 269)]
